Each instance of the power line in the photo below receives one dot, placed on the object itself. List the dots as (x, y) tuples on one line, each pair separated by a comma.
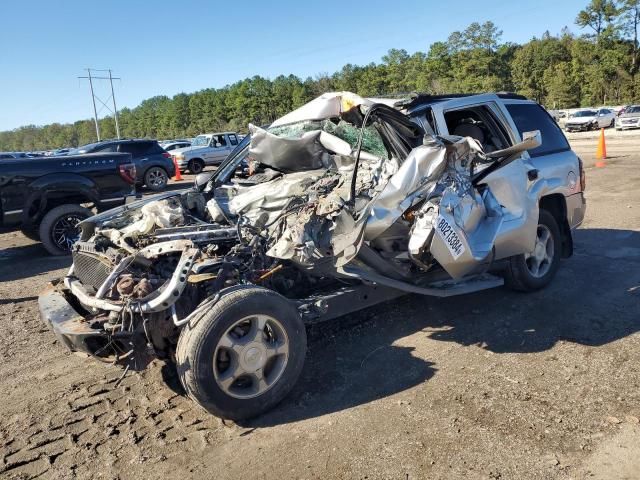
[(94, 97)]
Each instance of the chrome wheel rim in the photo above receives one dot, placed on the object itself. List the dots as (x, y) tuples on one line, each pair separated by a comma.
[(156, 178), (539, 261), (65, 231), (251, 356)]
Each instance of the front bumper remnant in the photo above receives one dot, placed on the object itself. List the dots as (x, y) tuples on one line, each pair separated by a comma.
[(70, 328)]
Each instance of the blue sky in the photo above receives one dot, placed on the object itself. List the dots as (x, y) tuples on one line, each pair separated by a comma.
[(163, 48)]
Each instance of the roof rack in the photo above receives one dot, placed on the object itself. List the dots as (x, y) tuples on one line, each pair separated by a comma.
[(422, 98)]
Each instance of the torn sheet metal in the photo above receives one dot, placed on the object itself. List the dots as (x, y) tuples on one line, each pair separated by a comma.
[(328, 105), (288, 154)]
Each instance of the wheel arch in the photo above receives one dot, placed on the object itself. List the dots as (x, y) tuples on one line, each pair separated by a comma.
[(42, 200), (556, 205)]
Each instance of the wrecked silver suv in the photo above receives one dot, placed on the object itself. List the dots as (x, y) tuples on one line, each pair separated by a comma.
[(348, 203)]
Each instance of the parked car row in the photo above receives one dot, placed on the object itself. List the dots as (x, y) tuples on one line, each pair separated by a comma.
[(577, 120), (154, 166)]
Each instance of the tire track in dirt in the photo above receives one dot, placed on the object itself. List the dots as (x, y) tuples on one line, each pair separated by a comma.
[(98, 422)]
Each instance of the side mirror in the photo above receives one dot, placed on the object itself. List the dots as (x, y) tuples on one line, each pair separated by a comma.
[(202, 179)]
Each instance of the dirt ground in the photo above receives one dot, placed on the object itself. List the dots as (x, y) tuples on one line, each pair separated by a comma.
[(493, 385)]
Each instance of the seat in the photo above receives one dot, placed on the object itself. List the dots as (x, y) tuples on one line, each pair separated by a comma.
[(469, 130)]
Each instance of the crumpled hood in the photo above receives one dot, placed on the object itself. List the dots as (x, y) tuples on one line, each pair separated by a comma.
[(630, 115), (124, 211)]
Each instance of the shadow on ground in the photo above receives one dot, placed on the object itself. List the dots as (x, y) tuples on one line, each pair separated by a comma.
[(353, 361), (594, 300), (28, 260)]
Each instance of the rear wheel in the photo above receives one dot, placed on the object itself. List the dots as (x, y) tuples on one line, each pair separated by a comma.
[(244, 355), (59, 228), (156, 178), (534, 270), (195, 166)]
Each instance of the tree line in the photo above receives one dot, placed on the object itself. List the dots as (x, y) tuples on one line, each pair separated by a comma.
[(597, 67)]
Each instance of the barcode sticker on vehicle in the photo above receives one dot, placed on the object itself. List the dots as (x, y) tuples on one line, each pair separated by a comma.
[(450, 238)]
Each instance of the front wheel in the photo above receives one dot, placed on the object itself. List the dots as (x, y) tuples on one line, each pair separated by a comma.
[(244, 355), (195, 166), (59, 228), (533, 271)]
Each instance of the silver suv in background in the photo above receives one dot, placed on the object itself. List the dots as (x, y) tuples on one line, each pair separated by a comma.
[(630, 118), (207, 149)]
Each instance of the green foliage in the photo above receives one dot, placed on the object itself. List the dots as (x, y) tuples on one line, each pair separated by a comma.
[(599, 67)]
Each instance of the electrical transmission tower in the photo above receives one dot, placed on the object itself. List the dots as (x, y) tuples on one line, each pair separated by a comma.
[(94, 97)]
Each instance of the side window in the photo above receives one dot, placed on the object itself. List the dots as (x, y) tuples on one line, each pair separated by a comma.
[(531, 116), (136, 149), (112, 147), (233, 140), (221, 140), (480, 123)]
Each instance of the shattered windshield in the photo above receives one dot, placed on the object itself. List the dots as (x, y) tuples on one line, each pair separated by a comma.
[(371, 140), (200, 141)]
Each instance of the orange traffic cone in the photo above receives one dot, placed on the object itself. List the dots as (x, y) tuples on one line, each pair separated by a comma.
[(177, 176), (601, 152)]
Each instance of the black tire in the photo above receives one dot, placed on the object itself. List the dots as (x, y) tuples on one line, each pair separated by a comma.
[(31, 233), (518, 275), (57, 219), (198, 344), (195, 166), (613, 123), (156, 178)]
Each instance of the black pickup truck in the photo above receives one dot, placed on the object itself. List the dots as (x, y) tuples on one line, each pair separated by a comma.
[(46, 197)]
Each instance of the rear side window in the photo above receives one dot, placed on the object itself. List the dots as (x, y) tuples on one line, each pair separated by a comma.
[(107, 148), (233, 140), (531, 116), (137, 149)]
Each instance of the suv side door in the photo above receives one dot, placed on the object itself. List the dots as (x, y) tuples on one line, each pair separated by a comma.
[(510, 184)]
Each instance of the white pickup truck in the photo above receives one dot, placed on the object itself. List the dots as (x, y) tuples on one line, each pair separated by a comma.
[(206, 149)]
